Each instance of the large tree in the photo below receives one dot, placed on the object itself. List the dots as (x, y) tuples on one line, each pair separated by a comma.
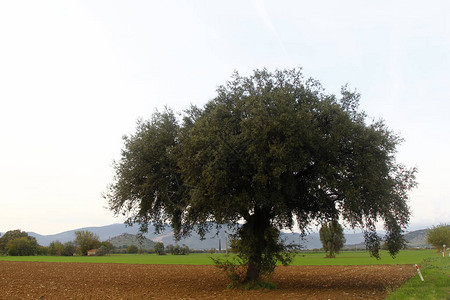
[(273, 151)]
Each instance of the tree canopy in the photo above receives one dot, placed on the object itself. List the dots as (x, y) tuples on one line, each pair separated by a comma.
[(438, 236), (273, 151), (18, 243), (86, 240)]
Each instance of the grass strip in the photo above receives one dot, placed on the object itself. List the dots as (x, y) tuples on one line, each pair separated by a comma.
[(436, 284), (346, 258)]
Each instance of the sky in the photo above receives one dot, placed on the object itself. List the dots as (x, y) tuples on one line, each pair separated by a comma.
[(76, 75)]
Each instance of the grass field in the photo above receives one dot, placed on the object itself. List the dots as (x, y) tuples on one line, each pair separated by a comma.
[(302, 259)]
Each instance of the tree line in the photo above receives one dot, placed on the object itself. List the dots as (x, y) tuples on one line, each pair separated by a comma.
[(19, 243)]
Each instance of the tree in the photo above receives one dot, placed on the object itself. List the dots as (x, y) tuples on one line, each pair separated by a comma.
[(70, 249), (86, 240), (332, 238), (132, 249), (271, 150), (159, 248), (108, 245), (18, 243), (438, 236), (23, 246), (10, 235), (102, 251), (56, 248)]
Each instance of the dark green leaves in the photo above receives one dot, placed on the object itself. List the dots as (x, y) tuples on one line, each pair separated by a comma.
[(272, 143)]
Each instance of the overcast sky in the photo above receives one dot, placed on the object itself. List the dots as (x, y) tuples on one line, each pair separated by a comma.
[(75, 76)]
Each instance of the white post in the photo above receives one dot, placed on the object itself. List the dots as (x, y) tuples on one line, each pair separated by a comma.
[(418, 271)]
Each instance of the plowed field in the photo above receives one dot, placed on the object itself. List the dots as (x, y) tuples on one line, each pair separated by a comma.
[(37, 280)]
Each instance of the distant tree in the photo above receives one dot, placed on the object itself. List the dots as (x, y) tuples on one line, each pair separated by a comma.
[(159, 248), (133, 249), (56, 248), (101, 251), (10, 235), (438, 236), (272, 150), (70, 249), (23, 246), (86, 240), (16, 242), (42, 250), (108, 245), (170, 248), (332, 238), (184, 250)]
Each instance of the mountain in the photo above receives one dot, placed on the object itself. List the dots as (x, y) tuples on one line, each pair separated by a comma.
[(104, 233), (417, 239), (311, 241), (126, 239), (414, 239)]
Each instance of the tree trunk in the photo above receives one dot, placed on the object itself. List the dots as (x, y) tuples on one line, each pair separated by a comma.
[(253, 238), (254, 269)]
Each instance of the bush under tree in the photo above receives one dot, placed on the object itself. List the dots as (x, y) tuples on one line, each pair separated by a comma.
[(273, 150)]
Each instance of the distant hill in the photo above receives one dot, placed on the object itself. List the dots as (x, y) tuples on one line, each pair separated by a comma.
[(104, 233), (126, 239), (414, 239), (311, 241), (417, 239)]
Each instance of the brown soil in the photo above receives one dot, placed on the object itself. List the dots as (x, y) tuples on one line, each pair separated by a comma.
[(36, 280)]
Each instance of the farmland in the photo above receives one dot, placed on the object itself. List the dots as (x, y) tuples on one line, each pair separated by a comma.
[(302, 259), (352, 275)]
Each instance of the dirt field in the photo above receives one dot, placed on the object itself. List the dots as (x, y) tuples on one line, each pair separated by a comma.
[(36, 280)]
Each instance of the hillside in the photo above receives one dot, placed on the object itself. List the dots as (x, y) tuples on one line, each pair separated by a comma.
[(414, 239), (126, 239)]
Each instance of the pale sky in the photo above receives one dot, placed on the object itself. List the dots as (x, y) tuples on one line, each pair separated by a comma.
[(76, 75)]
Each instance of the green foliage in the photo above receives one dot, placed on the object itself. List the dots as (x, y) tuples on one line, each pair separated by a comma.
[(271, 149), (22, 246), (159, 248), (9, 236), (86, 240), (132, 249), (102, 251), (332, 238), (178, 250), (18, 243), (56, 248), (70, 249), (439, 236), (108, 246)]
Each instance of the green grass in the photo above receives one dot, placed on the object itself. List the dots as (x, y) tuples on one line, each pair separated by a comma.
[(303, 258), (352, 258), (436, 284)]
